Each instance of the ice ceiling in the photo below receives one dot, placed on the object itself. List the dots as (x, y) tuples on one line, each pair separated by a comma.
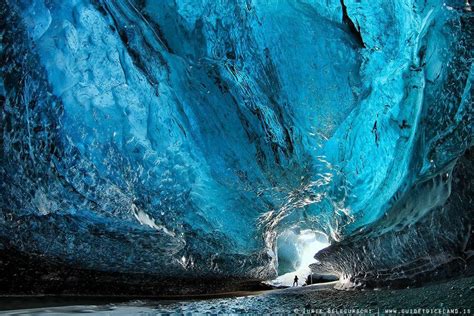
[(184, 137)]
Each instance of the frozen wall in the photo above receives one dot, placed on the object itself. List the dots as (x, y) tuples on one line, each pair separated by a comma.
[(183, 137)]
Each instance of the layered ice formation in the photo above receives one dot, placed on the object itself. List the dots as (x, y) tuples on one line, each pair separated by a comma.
[(187, 138)]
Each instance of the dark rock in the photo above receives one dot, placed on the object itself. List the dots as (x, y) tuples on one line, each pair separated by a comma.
[(321, 278)]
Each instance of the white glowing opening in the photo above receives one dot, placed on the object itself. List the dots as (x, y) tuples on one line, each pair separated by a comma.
[(308, 244)]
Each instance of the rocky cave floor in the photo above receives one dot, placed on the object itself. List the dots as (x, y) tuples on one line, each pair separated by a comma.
[(454, 296)]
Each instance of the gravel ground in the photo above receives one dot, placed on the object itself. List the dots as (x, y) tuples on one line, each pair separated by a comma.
[(455, 294)]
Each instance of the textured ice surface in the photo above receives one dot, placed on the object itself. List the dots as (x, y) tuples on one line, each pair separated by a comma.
[(176, 137)]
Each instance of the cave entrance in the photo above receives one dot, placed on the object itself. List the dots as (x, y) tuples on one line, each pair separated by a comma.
[(295, 252)]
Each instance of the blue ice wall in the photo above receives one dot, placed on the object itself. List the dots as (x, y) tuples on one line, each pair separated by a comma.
[(184, 137)]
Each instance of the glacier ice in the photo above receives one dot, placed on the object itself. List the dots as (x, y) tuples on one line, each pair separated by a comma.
[(182, 138)]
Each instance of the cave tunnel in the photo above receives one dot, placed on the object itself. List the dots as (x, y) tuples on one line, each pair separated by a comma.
[(184, 147)]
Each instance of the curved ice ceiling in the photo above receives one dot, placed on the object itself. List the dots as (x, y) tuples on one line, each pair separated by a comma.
[(177, 137)]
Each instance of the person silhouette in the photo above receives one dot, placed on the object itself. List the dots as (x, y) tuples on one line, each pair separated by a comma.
[(295, 281)]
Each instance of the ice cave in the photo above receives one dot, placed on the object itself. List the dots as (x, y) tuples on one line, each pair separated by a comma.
[(185, 147)]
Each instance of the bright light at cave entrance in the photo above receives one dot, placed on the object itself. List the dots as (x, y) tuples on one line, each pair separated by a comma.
[(307, 243)]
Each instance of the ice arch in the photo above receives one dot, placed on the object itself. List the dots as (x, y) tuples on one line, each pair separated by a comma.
[(295, 252)]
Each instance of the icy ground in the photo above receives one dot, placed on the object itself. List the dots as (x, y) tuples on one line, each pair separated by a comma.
[(434, 298)]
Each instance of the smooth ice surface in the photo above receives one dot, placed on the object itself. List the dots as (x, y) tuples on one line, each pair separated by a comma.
[(184, 137)]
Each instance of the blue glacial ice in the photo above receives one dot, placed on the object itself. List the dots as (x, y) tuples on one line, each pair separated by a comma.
[(185, 137)]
